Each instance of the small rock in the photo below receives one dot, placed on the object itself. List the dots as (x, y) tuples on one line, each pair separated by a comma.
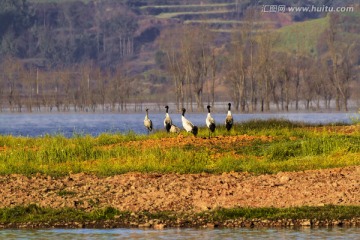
[(284, 179), (144, 225), (159, 226), (212, 225), (305, 223)]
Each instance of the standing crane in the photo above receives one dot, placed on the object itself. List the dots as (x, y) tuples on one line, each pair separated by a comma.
[(147, 122), (169, 126), (229, 121), (210, 122), (187, 125)]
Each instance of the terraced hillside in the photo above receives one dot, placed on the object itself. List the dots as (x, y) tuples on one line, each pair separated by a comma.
[(215, 13)]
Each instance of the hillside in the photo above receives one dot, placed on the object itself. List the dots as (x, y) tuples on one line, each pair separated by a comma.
[(120, 47), (73, 29)]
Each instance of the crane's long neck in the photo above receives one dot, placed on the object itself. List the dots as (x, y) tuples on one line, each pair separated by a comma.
[(147, 115), (229, 110)]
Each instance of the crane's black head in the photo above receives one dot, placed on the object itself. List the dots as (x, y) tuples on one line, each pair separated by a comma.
[(167, 107), (229, 105), (183, 111), (147, 109), (208, 107)]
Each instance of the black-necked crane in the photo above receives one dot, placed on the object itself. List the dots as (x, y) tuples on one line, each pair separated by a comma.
[(210, 122), (174, 129), (187, 125), (167, 120), (169, 126), (148, 122), (229, 119)]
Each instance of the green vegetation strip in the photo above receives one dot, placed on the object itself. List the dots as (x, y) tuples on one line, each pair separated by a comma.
[(175, 14), (192, 6), (287, 147), (34, 215), (320, 213)]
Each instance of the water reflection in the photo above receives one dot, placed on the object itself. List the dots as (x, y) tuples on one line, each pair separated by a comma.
[(223, 234)]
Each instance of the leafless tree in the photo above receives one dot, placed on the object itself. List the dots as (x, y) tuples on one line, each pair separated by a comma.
[(265, 68), (170, 43), (340, 61), (235, 70)]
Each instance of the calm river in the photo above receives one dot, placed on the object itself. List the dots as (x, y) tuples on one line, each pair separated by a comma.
[(95, 124), (262, 233)]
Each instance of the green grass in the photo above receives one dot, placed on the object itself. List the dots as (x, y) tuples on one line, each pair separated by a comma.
[(35, 215), (176, 14), (263, 147), (303, 35), (306, 212), (192, 6)]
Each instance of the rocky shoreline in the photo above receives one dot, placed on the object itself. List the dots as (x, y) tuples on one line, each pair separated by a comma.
[(137, 221)]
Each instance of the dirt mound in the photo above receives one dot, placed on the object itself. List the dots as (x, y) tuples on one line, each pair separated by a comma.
[(189, 192)]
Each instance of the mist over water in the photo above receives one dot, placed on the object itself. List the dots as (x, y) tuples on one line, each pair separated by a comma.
[(94, 124)]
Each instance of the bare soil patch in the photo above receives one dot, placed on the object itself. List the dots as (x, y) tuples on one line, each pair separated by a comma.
[(182, 193)]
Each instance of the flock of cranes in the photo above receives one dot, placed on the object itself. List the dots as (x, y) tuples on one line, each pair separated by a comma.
[(187, 125)]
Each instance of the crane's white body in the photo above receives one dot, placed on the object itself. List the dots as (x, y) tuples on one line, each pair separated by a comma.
[(187, 125), (148, 122), (167, 120), (174, 129), (209, 120)]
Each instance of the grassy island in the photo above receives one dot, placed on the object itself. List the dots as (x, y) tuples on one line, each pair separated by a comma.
[(276, 149)]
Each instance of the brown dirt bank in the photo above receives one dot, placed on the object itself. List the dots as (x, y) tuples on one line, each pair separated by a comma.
[(137, 192)]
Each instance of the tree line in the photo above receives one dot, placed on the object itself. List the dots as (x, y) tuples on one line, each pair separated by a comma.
[(62, 59), (83, 87)]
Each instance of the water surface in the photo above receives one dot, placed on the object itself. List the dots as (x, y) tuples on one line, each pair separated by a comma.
[(95, 124), (238, 233)]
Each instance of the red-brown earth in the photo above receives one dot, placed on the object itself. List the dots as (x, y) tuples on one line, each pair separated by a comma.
[(189, 192)]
